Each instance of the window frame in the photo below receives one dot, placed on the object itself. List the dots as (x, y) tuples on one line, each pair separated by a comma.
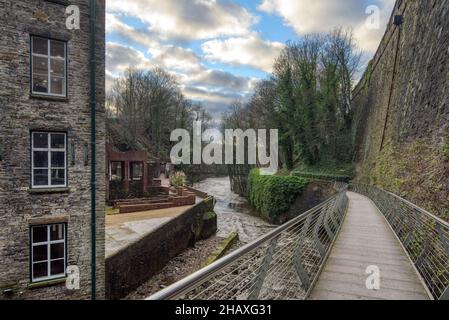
[(49, 167), (48, 243), (122, 177), (49, 57), (131, 169)]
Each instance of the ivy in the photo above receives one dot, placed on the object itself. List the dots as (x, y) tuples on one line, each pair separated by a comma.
[(274, 195)]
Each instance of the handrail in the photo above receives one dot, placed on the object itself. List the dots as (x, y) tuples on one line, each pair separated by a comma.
[(286, 260), (424, 236)]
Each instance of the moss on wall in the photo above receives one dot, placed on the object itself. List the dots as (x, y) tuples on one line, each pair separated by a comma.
[(401, 129), (417, 171)]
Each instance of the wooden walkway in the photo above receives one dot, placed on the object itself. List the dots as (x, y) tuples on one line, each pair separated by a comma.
[(366, 240)]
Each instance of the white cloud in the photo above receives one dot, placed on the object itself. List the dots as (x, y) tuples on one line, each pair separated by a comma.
[(187, 19), (306, 16), (215, 88), (250, 51), (120, 57)]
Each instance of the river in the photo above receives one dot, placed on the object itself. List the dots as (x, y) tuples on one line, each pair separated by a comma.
[(233, 212)]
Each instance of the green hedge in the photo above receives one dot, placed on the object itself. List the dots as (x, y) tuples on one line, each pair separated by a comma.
[(274, 195), (321, 176)]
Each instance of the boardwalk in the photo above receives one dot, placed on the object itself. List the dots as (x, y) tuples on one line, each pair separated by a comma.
[(366, 240)]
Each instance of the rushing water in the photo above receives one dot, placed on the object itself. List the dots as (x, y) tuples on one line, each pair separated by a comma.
[(233, 212)]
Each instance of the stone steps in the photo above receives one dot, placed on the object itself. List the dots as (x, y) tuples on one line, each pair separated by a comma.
[(142, 201), (145, 207)]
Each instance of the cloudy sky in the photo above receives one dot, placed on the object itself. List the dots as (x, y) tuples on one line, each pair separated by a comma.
[(218, 49)]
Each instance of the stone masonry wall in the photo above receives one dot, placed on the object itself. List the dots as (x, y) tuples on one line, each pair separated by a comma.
[(20, 113), (402, 108), (127, 269)]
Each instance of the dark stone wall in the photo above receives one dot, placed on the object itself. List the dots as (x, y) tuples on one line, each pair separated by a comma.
[(132, 266), (20, 113), (402, 108)]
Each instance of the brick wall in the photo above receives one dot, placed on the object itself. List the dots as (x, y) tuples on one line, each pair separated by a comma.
[(20, 113)]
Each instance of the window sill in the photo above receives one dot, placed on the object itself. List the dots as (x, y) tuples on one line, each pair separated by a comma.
[(49, 98), (63, 2), (47, 283), (48, 190)]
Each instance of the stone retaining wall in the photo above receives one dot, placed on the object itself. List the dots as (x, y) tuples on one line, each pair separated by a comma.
[(402, 108), (132, 266)]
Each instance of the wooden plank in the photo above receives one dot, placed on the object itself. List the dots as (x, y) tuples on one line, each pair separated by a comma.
[(366, 240)]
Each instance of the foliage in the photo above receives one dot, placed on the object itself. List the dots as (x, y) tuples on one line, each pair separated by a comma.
[(321, 176), (178, 179), (325, 171), (274, 195), (308, 99), (148, 105)]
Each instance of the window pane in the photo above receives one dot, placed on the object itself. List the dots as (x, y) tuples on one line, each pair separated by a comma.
[(40, 159), (40, 83), (58, 177), (57, 267), (57, 49), (40, 45), (57, 67), (116, 171), (57, 251), (57, 159), (57, 85), (40, 253), (39, 234), (57, 232), (40, 270), (40, 140), (40, 66), (57, 141), (40, 177), (136, 170)]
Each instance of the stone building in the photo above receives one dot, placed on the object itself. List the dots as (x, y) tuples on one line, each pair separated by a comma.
[(46, 155)]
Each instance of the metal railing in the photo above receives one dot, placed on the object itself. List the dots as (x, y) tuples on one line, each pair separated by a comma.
[(424, 237), (283, 264)]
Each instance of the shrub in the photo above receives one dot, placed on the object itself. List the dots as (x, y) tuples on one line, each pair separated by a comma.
[(322, 176), (178, 179), (274, 195)]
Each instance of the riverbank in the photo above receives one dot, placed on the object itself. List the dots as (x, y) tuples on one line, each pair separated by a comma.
[(186, 263), (234, 214)]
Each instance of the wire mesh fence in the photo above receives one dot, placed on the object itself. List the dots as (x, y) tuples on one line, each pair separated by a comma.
[(282, 265), (424, 237)]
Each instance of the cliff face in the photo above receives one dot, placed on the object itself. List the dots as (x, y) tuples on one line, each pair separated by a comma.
[(402, 113)]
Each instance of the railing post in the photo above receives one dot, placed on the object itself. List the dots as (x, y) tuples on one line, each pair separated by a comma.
[(328, 211), (316, 237), (263, 269), (306, 226), (299, 267), (443, 239), (445, 295)]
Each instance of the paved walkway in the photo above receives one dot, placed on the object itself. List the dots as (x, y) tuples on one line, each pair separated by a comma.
[(126, 228), (366, 240)]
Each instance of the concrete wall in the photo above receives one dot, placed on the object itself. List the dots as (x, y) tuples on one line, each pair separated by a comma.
[(132, 266), (20, 113), (402, 108)]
